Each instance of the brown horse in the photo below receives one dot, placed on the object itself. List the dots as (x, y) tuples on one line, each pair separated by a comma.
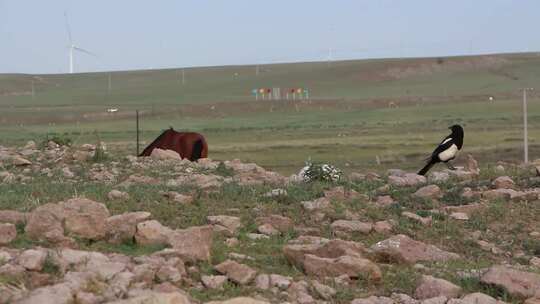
[(189, 145)]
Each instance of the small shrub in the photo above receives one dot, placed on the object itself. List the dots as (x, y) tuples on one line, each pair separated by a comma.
[(99, 154), (320, 172), (453, 197), (532, 246), (60, 139), (223, 170), (50, 267)]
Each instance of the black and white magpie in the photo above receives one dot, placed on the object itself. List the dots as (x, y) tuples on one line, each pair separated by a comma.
[(446, 150)]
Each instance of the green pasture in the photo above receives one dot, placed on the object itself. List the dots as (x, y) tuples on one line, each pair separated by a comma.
[(348, 120)]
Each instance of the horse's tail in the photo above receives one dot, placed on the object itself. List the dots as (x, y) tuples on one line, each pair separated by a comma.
[(200, 149)]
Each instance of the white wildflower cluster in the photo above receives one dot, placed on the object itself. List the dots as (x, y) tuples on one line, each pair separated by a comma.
[(321, 172)]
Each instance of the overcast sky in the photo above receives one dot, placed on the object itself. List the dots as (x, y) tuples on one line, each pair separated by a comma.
[(133, 34)]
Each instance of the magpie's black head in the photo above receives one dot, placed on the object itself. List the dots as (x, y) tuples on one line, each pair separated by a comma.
[(456, 129)]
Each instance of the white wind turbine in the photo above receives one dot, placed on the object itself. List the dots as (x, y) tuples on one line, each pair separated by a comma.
[(73, 47)]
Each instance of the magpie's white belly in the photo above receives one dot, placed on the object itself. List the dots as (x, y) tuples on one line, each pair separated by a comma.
[(448, 153)]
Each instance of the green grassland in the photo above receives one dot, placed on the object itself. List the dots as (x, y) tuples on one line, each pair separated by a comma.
[(348, 119)]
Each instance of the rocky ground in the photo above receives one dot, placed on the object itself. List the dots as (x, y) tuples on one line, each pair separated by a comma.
[(78, 225)]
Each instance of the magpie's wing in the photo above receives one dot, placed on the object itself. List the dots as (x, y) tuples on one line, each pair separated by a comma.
[(446, 143)]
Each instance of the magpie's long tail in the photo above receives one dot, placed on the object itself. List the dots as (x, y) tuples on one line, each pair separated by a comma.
[(427, 167)]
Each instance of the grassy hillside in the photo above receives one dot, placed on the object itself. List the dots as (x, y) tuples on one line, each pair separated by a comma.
[(393, 109)]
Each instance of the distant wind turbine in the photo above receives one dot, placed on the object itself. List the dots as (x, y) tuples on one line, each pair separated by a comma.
[(73, 47)]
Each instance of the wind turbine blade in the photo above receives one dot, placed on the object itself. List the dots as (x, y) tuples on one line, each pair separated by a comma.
[(68, 29), (85, 51)]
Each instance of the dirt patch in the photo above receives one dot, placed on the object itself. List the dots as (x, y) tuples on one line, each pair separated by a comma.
[(402, 69)]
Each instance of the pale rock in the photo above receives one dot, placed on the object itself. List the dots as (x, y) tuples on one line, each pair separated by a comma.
[(179, 198), (19, 161), (30, 145), (114, 195), (318, 204), (436, 300), (516, 282), (257, 236), (402, 249), (123, 227), (333, 267), (231, 223), (384, 227), (12, 216), (373, 300), (534, 300), (401, 298), (262, 281), (384, 200), (214, 281), (497, 194), (426, 221), (460, 216), (32, 259), (279, 281), (468, 193), (460, 174), (104, 268), (503, 182), (45, 223), (465, 209), (351, 226), (67, 173), (56, 294), (236, 272), (500, 169), (438, 177), (535, 261), (5, 257), (479, 298), (120, 283), (430, 191), (298, 293), (152, 233), (281, 223), (194, 243), (472, 165), (431, 287), (155, 297), (161, 154), (82, 156), (145, 273), (82, 297), (296, 250), (357, 177), (324, 291), (8, 233), (407, 179), (509, 194), (268, 229), (169, 273), (85, 218), (71, 257), (231, 242), (240, 300), (341, 194), (207, 163)]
